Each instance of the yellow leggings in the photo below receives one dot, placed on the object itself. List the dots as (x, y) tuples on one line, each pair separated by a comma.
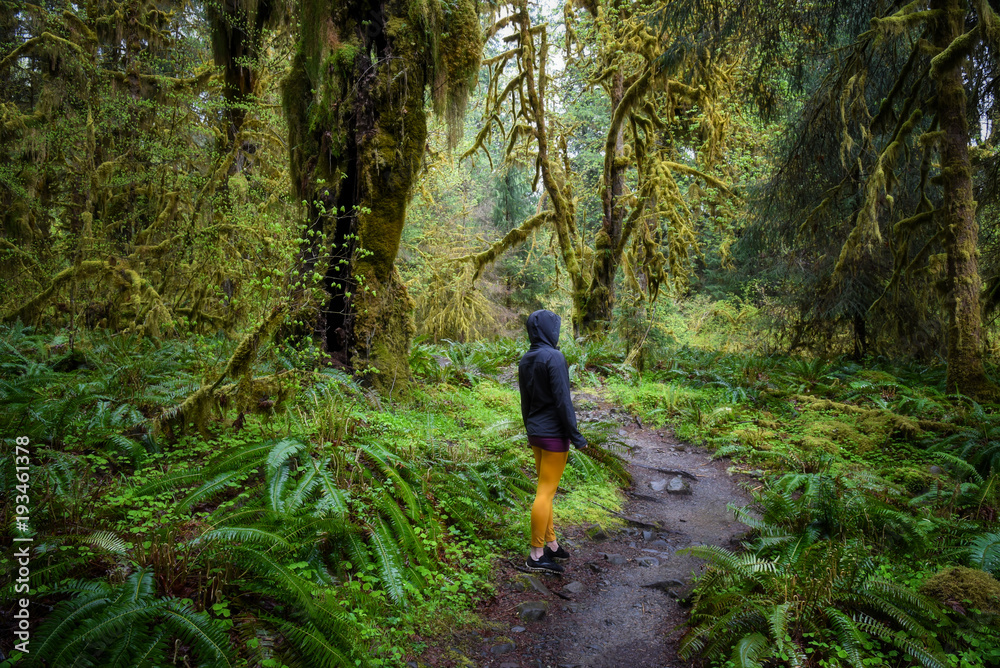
[(550, 467)]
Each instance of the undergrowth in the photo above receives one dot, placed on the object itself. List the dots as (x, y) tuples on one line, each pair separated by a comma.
[(330, 529), (337, 528), (876, 482)]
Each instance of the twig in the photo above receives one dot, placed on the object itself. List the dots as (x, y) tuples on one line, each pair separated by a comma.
[(529, 572)]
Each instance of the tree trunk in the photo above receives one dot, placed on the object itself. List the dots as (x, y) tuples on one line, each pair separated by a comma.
[(236, 27), (965, 367), (601, 297), (355, 106)]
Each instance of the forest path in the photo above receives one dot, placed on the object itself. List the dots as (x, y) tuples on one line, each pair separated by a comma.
[(616, 604)]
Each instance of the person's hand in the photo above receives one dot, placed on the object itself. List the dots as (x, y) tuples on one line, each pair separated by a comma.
[(582, 445)]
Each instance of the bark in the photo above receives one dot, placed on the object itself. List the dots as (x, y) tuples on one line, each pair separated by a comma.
[(965, 366)]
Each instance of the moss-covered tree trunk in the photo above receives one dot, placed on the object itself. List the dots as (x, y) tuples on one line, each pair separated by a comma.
[(236, 29), (965, 366), (354, 100), (607, 257)]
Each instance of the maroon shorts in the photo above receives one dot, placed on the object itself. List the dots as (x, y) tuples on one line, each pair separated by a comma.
[(550, 443)]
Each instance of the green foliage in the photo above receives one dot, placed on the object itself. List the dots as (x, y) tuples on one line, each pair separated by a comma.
[(125, 625), (877, 473), (130, 203), (984, 553), (312, 526), (798, 510), (817, 600)]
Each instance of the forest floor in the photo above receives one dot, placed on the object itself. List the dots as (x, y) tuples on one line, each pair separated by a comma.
[(621, 599)]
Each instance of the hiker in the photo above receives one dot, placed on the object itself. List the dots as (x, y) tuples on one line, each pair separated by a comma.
[(550, 420)]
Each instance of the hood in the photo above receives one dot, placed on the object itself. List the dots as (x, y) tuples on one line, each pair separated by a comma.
[(543, 329)]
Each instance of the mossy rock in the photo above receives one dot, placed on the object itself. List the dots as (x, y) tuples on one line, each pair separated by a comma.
[(915, 480), (830, 435), (888, 424), (876, 377), (758, 439), (961, 588)]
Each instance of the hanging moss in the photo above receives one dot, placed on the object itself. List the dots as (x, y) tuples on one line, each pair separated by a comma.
[(461, 49)]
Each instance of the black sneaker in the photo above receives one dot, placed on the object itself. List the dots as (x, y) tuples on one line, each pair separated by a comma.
[(544, 564), (559, 555)]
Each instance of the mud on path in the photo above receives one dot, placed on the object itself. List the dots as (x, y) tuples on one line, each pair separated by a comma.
[(620, 601)]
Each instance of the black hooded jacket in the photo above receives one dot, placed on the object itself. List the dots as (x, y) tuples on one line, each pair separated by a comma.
[(543, 379)]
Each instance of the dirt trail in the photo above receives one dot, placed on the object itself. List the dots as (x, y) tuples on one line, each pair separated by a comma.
[(624, 621), (603, 612)]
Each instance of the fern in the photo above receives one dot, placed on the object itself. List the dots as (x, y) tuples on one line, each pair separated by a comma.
[(311, 644), (984, 553), (200, 631), (332, 498), (277, 482), (749, 651), (357, 550), (219, 483), (238, 458), (171, 481), (246, 536), (120, 625), (768, 602), (389, 560), (403, 530), (305, 486), (280, 579), (107, 541), (282, 453)]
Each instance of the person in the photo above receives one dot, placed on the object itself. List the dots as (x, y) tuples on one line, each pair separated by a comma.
[(550, 420)]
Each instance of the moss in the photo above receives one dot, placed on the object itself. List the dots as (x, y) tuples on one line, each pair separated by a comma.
[(342, 59), (915, 480), (871, 421), (462, 44), (354, 100), (383, 328), (460, 49), (964, 587), (832, 435), (196, 409), (954, 53), (586, 502), (296, 96)]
